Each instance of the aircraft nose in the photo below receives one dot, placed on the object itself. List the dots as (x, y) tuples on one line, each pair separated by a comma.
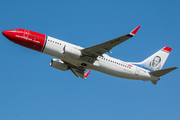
[(5, 33)]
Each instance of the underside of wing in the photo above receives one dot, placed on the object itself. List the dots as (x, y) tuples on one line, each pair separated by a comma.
[(78, 71), (102, 48)]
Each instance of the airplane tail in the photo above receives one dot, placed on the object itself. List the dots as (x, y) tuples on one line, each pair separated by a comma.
[(155, 61)]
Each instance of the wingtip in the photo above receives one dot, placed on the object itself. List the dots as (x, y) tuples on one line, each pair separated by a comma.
[(86, 75), (168, 49), (154, 82), (133, 32)]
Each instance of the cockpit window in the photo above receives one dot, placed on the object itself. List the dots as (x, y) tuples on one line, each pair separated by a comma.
[(14, 30)]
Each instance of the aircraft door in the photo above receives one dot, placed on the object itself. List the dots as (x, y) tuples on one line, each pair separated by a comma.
[(26, 33), (61, 49), (137, 71)]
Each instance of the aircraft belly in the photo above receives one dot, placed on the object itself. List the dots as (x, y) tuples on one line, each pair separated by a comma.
[(122, 72)]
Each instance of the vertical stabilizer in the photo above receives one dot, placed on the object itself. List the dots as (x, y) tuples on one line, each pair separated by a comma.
[(157, 60)]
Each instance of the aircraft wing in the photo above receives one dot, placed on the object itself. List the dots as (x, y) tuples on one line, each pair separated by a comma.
[(102, 48)]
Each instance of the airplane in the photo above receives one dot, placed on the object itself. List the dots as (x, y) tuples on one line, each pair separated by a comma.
[(79, 59)]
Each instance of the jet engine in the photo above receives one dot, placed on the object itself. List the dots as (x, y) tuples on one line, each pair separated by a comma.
[(72, 52), (58, 64)]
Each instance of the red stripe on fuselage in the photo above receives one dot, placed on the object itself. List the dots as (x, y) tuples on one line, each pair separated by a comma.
[(38, 40), (26, 38)]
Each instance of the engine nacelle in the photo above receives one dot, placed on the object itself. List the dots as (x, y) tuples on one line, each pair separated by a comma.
[(58, 64), (72, 52)]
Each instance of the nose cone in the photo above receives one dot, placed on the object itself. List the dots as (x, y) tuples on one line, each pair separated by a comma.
[(5, 33), (9, 34)]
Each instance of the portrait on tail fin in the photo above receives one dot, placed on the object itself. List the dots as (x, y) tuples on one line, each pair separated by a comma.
[(155, 64)]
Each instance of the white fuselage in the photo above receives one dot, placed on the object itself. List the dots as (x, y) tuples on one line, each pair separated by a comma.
[(104, 64)]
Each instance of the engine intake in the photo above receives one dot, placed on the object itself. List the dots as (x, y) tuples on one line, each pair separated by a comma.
[(58, 64), (72, 52)]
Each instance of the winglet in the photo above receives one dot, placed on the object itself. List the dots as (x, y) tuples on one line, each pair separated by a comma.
[(168, 49), (85, 76), (133, 32)]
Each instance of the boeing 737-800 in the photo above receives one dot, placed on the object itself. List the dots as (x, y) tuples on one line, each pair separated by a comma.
[(78, 59)]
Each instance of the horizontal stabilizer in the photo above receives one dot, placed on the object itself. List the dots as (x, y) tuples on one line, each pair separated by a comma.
[(159, 73)]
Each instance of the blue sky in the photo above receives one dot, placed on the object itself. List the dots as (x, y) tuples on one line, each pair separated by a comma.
[(31, 90)]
